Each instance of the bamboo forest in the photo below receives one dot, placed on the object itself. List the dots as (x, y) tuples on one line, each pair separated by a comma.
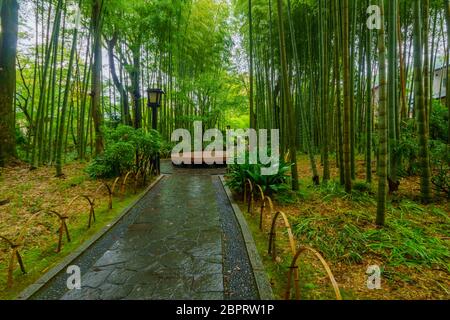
[(320, 161)]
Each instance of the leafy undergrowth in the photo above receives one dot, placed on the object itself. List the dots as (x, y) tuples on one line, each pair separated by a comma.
[(412, 250), (28, 192)]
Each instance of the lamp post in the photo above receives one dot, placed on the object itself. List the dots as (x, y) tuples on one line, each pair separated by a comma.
[(154, 102)]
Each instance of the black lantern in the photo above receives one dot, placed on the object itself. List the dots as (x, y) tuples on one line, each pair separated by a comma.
[(154, 101), (155, 97)]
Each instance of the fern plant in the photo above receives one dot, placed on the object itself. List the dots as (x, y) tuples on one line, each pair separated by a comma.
[(238, 175)]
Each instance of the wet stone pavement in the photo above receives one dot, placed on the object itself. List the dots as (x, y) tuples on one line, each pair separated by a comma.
[(174, 247)]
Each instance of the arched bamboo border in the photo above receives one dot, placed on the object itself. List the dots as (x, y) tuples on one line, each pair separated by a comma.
[(15, 245), (324, 264), (113, 188), (272, 238), (14, 254), (62, 229), (106, 186), (292, 243), (124, 183), (251, 196), (268, 200), (264, 200), (91, 207), (261, 192)]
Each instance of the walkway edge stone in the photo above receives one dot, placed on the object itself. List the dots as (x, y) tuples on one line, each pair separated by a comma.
[(262, 282), (31, 290)]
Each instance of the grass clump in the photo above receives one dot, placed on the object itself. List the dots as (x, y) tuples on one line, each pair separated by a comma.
[(350, 237), (361, 194)]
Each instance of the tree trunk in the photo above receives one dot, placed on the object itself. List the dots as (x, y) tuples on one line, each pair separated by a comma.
[(347, 96), (97, 116), (324, 91), (135, 79), (382, 125), (126, 118), (369, 106), (8, 50), (287, 99), (447, 99), (393, 101), (419, 102), (425, 20), (61, 127), (250, 22)]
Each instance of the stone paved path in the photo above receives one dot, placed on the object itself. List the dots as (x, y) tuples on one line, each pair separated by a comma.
[(172, 248)]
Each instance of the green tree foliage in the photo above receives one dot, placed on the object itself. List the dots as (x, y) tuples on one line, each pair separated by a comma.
[(350, 98), (310, 68), (65, 90)]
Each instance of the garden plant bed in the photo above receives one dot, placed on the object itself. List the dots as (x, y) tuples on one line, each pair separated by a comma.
[(31, 192), (412, 250)]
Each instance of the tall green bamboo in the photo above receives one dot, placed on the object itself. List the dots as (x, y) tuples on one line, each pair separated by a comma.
[(392, 93), (325, 89), (347, 95), (251, 94), (427, 90), (447, 100), (287, 99), (337, 83), (382, 124), (96, 112), (369, 105), (38, 141), (61, 127), (419, 103)]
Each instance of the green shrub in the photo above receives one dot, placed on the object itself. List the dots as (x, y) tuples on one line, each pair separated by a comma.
[(21, 139), (238, 175), (126, 149), (362, 186), (22, 143), (332, 189), (440, 161), (439, 122), (166, 150), (270, 183), (408, 148)]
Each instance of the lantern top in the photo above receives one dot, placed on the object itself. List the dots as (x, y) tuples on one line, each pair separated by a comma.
[(154, 97), (156, 90)]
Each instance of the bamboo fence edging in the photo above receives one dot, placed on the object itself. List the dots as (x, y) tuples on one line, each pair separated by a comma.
[(249, 200), (251, 197), (62, 229), (34, 288), (14, 254), (16, 245), (324, 264), (292, 243), (268, 200)]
